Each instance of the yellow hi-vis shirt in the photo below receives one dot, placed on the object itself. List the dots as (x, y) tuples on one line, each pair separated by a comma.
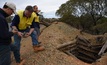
[(36, 17), (24, 21)]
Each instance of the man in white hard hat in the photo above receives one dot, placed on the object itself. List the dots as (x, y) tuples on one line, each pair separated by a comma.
[(5, 35)]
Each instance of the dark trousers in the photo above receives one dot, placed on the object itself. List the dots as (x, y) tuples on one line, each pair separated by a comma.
[(5, 55), (15, 52)]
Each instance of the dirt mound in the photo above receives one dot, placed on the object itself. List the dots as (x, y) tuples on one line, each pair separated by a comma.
[(61, 32), (51, 38)]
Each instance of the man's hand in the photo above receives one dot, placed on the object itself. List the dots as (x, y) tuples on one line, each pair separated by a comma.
[(15, 31), (25, 35), (20, 34)]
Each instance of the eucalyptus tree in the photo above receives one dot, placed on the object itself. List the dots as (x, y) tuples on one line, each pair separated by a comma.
[(92, 11)]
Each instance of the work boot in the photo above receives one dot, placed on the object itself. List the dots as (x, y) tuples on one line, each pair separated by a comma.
[(38, 48), (22, 62)]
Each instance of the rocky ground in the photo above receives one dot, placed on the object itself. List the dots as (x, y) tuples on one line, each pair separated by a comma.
[(51, 38)]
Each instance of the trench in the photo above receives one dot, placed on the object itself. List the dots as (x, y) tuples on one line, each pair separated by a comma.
[(83, 50)]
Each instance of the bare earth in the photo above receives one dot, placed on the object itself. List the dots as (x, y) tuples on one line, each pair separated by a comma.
[(52, 37)]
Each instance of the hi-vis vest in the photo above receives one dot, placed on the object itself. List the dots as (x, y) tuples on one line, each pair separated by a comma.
[(36, 17), (24, 21)]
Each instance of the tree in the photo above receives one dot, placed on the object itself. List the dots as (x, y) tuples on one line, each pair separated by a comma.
[(86, 11)]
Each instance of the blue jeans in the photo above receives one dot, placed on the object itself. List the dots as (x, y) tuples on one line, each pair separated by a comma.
[(17, 40), (37, 32), (34, 39), (5, 58)]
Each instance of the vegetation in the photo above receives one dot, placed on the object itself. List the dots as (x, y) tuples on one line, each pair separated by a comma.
[(9, 19), (88, 15)]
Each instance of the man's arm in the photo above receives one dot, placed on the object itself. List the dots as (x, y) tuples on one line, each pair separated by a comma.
[(14, 25), (31, 30), (15, 22), (32, 27)]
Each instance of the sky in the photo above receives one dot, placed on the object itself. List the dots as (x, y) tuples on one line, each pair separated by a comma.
[(48, 7)]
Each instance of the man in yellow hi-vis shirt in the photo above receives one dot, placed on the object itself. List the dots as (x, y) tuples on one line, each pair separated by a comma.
[(37, 28), (24, 23)]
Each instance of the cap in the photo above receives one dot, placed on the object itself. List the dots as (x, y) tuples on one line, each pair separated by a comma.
[(29, 8), (12, 6)]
